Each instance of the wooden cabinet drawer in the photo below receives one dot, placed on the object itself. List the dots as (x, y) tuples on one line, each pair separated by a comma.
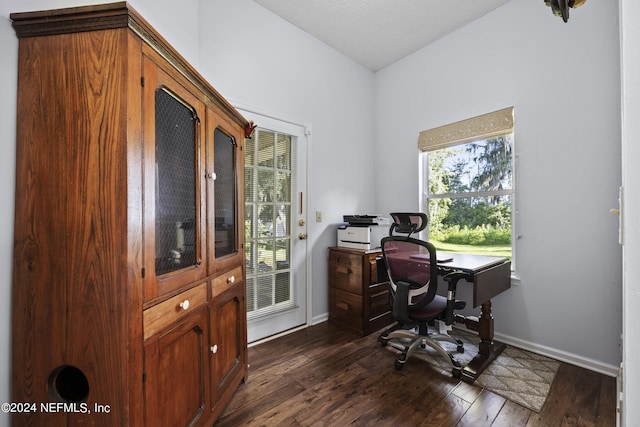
[(225, 281), (379, 299), (372, 266), (156, 318), (345, 307), (346, 271)]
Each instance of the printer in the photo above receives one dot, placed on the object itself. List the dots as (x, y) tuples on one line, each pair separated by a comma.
[(362, 231)]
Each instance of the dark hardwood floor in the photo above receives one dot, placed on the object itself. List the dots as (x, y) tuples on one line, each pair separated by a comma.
[(323, 376)]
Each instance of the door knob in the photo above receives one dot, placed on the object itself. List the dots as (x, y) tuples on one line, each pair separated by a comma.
[(302, 236)]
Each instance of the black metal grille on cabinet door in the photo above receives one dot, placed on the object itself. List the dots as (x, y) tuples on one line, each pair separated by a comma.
[(175, 177), (225, 193)]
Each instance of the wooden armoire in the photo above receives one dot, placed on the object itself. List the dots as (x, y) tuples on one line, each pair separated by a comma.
[(128, 273)]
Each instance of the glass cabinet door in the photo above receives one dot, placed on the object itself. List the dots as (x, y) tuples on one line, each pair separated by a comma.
[(175, 176), (225, 169), (225, 202), (173, 183)]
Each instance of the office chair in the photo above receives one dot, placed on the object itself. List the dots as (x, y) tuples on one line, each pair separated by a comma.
[(411, 266)]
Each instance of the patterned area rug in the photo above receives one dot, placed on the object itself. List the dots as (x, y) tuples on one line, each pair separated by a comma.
[(518, 375)]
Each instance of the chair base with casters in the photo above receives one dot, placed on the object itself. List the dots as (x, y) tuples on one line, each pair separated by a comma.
[(418, 338)]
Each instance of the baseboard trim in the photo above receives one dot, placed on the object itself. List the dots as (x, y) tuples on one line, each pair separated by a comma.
[(563, 356), (314, 321), (278, 335), (319, 319)]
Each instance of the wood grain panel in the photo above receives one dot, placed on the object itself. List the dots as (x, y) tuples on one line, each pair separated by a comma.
[(491, 282), (68, 248), (161, 315), (176, 373), (346, 271), (228, 351), (346, 308), (225, 281)]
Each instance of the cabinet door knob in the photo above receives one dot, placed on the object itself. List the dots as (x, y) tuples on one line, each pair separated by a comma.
[(231, 279), (302, 236), (184, 304), (214, 349)]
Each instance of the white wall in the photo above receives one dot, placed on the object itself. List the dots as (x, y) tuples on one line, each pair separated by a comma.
[(257, 59), (563, 80), (630, 36)]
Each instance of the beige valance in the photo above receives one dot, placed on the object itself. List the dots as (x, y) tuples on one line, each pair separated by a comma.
[(474, 129)]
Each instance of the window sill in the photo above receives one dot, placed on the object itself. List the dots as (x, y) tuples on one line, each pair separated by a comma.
[(515, 279)]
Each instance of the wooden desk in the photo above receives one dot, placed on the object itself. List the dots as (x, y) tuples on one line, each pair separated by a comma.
[(490, 276)]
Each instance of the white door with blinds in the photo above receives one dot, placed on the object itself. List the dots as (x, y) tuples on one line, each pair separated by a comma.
[(275, 226)]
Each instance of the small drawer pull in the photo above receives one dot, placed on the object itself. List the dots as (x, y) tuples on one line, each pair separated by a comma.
[(231, 279), (344, 270), (214, 349), (184, 304), (343, 306)]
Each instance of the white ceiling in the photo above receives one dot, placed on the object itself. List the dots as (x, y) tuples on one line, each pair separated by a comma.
[(376, 33)]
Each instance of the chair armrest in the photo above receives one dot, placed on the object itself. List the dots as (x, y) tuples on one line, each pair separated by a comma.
[(400, 309)]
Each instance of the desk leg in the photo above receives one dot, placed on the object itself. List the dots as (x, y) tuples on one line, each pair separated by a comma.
[(488, 349)]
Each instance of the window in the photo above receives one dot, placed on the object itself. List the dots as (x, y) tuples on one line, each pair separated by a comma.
[(467, 186), (268, 202)]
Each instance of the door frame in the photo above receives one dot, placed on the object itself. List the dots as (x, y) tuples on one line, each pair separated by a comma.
[(281, 123)]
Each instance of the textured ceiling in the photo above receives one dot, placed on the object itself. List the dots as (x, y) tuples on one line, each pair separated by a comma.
[(376, 33)]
